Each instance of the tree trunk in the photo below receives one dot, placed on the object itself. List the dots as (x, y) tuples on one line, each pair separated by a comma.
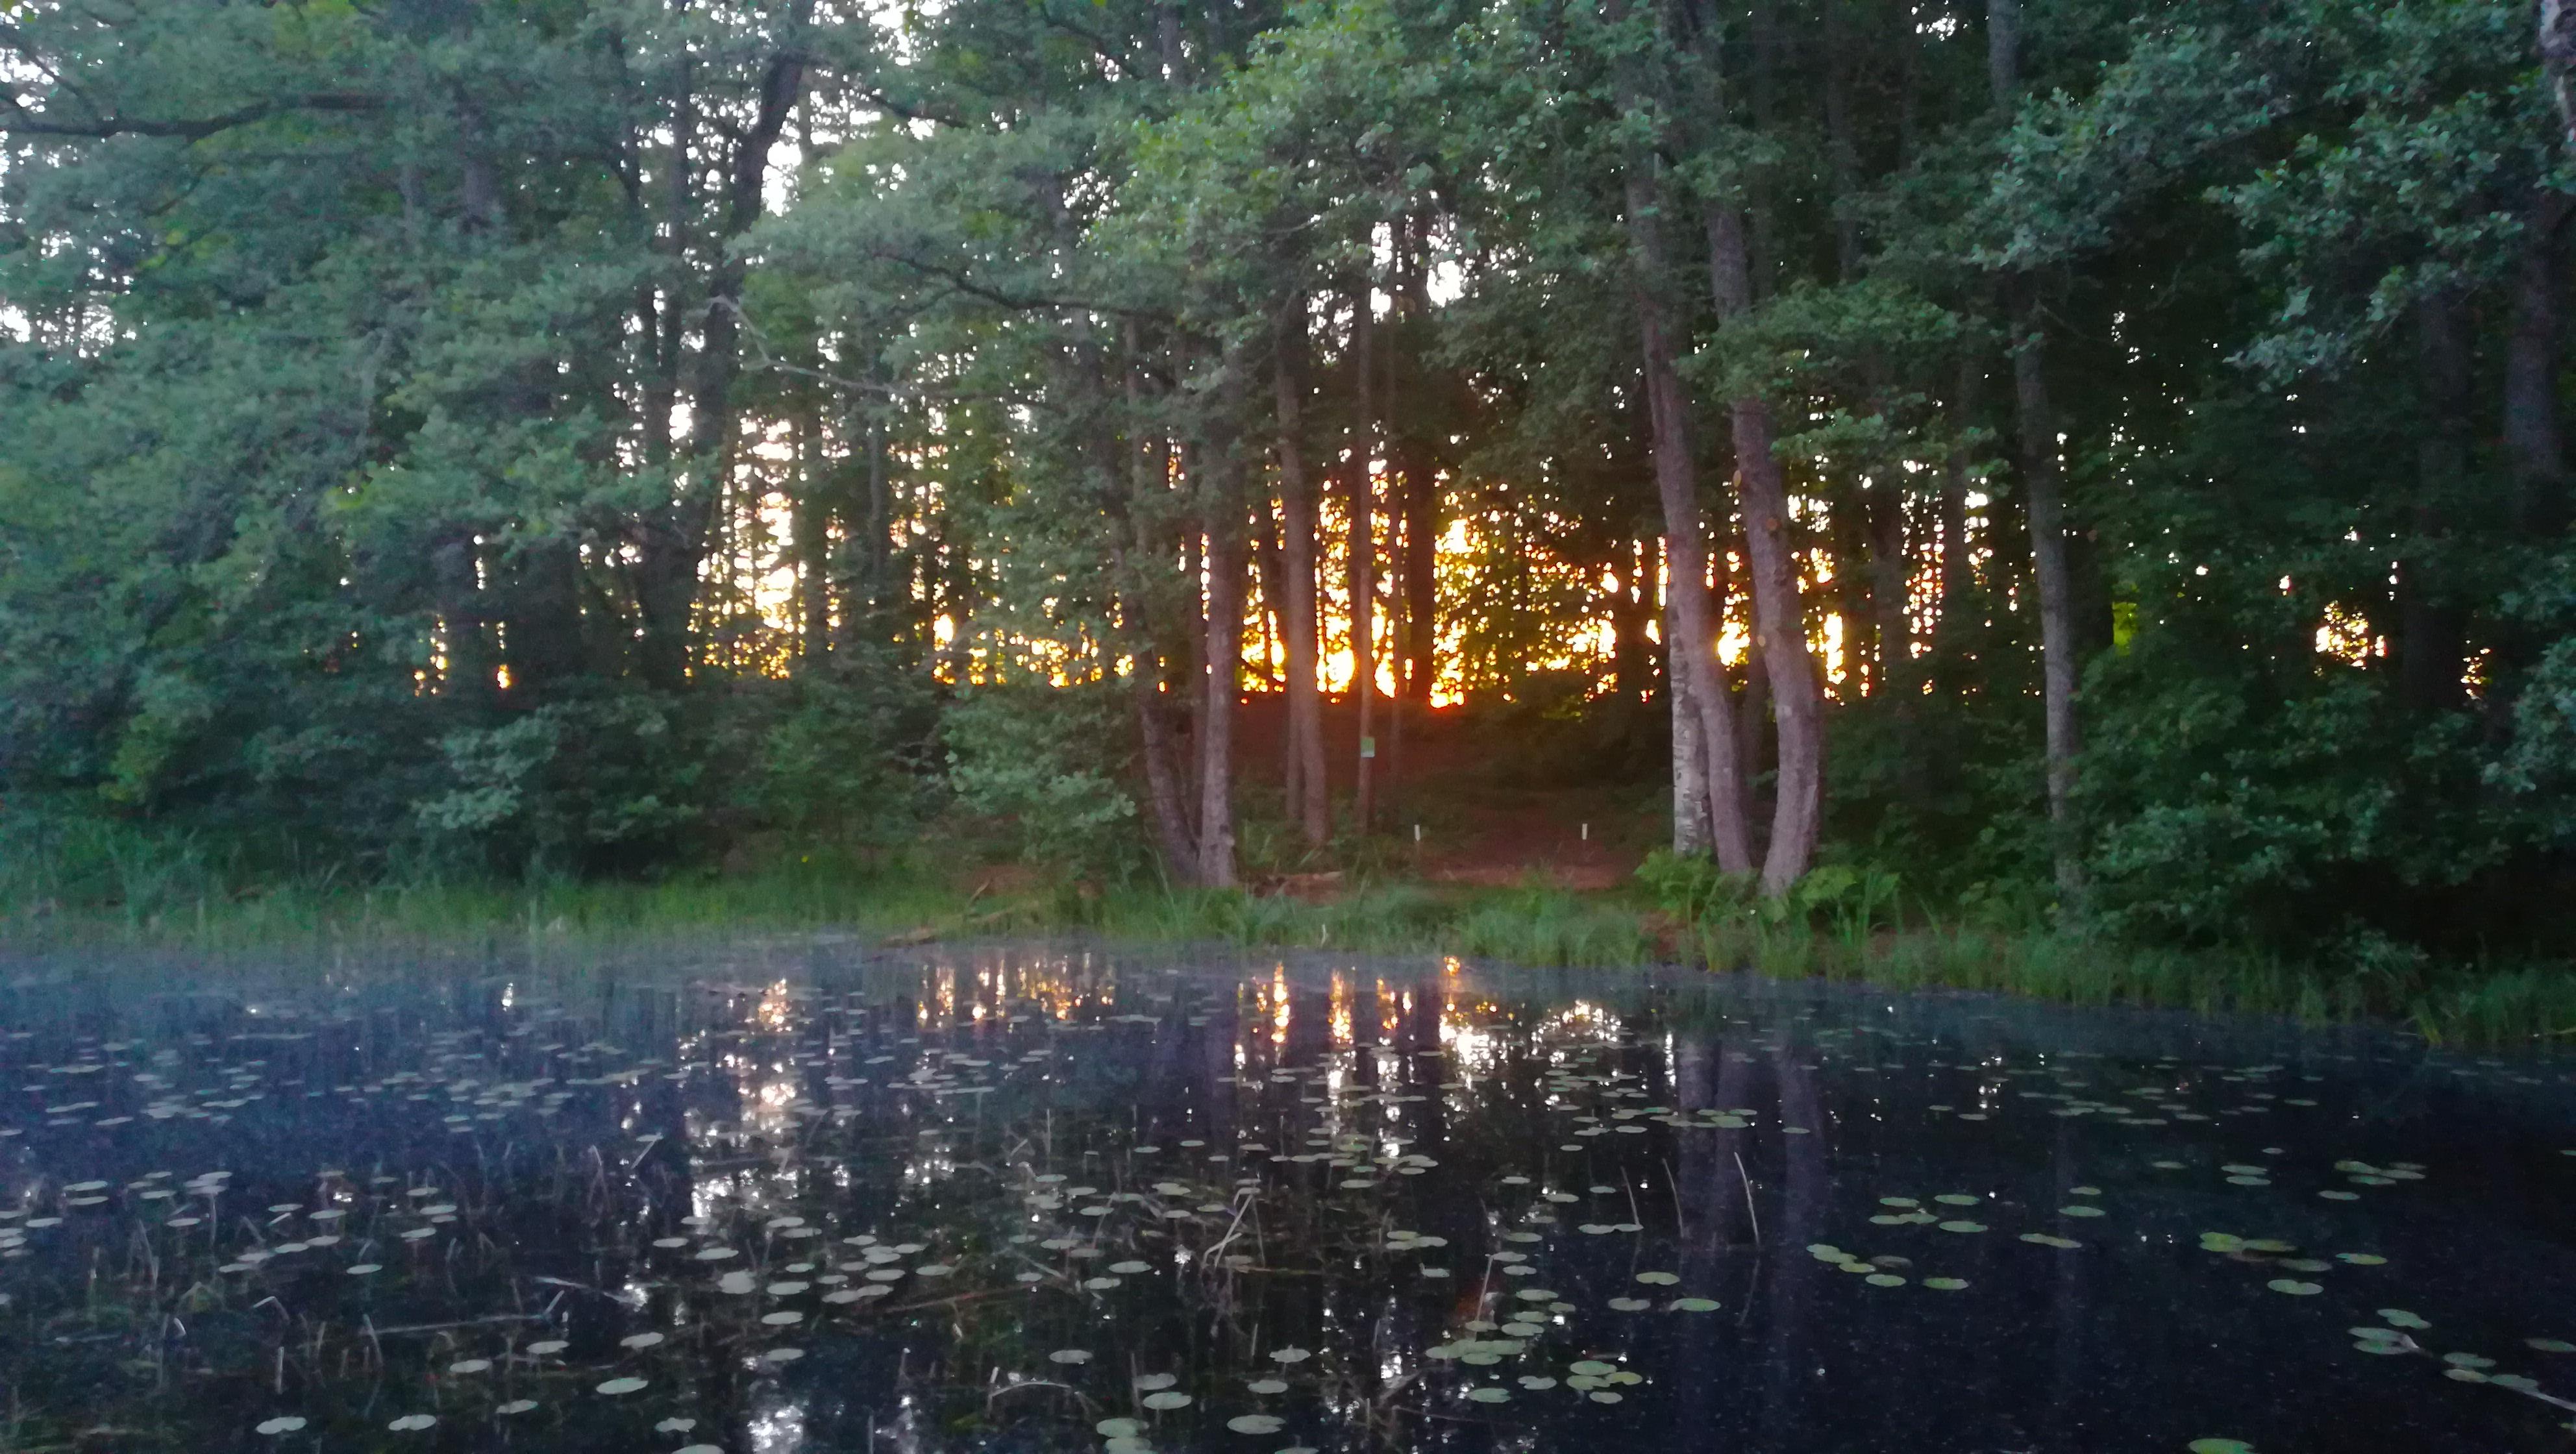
[(2055, 584), (456, 586), (1958, 566), (1628, 605), (1692, 683), (1891, 573), (2003, 51), (1308, 801), (1779, 611), (2430, 646), (1163, 780), (1270, 568), (1363, 557), (2533, 448), (545, 627), (1149, 471), (813, 539), (1694, 834), (2043, 506), (1416, 474), (2558, 63), (1223, 517)]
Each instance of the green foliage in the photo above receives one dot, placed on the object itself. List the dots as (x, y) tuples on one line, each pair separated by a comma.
[(1030, 755), (575, 785)]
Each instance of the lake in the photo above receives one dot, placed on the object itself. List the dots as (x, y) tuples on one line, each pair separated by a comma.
[(795, 1197)]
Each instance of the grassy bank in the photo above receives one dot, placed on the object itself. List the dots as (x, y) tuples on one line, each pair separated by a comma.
[(919, 897)]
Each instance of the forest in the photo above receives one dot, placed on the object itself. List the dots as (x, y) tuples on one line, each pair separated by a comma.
[(2096, 465)]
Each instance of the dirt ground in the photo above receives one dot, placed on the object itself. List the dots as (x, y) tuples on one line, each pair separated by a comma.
[(1474, 830)]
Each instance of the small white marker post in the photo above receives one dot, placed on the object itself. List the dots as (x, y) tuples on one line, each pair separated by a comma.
[(1587, 832), (1417, 832)]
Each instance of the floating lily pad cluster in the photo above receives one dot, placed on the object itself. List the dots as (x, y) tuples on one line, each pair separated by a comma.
[(1073, 1201)]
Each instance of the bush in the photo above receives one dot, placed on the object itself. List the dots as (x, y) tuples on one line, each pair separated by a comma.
[(1047, 762)]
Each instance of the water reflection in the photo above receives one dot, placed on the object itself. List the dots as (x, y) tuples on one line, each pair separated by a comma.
[(1034, 1199)]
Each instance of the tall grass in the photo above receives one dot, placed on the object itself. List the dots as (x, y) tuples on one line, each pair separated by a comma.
[(118, 888), (107, 888)]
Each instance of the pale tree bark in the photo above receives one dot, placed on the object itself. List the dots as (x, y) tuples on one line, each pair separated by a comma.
[(1693, 834), (1703, 714), (2558, 63), (1309, 802), (1779, 610), (1690, 652)]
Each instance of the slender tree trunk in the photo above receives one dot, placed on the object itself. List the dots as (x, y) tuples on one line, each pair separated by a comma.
[(2054, 579), (1628, 626), (1391, 607), (879, 550), (2558, 63), (2043, 505), (1270, 568), (1308, 801), (1779, 611), (1194, 588), (2533, 448), (545, 627), (1958, 565), (1362, 556), (1223, 516), (813, 539), (1755, 738), (2003, 51), (1417, 472), (2430, 647), (456, 585), (1889, 578), (1694, 833), (1149, 469)]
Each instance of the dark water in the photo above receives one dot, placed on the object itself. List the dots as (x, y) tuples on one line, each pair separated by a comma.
[(1038, 1199)]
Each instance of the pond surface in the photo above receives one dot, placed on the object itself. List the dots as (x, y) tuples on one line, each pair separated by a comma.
[(1033, 1198)]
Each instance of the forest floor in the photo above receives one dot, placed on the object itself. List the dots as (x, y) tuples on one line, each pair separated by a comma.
[(1453, 814)]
